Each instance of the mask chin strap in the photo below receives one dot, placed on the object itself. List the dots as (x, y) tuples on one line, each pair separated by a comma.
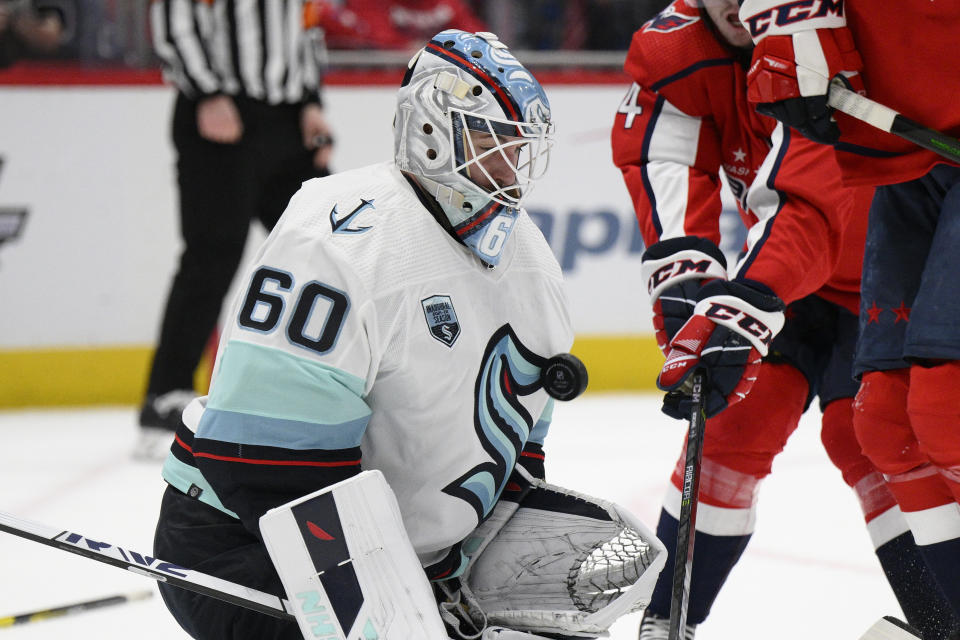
[(443, 194)]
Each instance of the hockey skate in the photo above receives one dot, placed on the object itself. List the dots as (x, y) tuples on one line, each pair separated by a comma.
[(160, 416), (653, 627)]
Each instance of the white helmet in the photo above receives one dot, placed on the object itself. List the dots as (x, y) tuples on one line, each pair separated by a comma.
[(473, 128)]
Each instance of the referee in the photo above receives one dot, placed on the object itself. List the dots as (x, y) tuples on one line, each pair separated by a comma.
[(248, 129)]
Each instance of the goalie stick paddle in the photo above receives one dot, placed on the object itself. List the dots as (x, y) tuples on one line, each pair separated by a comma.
[(886, 119), (70, 609), (146, 565), (683, 558)]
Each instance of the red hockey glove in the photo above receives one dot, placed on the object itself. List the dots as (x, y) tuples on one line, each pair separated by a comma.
[(674, 270), (730, 330), (799, 51)]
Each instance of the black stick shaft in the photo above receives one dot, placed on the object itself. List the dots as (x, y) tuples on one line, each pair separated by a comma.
[(69, 609), (886, 119), (683, 559), (927, 138), (146, 565)]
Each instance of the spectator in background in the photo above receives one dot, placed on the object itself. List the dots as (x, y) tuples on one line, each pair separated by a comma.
[(391, 24), (24, 31), (598, 25), (247, 134)]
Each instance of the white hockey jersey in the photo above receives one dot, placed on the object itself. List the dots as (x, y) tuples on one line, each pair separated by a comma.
[(367, 335)]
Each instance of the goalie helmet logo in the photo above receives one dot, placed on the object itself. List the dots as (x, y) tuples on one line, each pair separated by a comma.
[(441, 319)]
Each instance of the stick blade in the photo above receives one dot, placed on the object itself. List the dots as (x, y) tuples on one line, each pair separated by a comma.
[(890, 628)]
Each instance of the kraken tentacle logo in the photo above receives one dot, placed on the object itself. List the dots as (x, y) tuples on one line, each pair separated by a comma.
[(509, 370)]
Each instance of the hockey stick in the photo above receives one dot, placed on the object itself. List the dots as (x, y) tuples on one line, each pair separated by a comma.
[(886, 119), (146, 565), (70, 609), (683, 560)]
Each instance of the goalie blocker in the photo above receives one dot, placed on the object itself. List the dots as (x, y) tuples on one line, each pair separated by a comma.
[(351, 573)]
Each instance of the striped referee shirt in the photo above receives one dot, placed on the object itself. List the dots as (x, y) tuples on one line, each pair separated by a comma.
[(263, 49)]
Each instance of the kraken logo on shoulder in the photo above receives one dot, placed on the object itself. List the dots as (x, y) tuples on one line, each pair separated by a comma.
[(441, 319), (509, 371), (342, 225)]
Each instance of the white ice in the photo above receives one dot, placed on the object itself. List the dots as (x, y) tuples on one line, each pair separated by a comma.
[(808, 573)]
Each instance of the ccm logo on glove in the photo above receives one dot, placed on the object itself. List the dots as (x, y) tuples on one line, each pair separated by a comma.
[(791, 12), (725, 314), (677, 268)]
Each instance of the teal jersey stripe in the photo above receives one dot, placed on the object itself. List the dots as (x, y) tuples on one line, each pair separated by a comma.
[(181, 476), (261, 381), (539, 432), (242, 428)]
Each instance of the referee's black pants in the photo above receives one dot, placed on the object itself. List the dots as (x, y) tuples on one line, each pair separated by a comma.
[(223, 187)]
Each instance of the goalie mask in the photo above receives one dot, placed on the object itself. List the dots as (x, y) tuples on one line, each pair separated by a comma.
[(473, 128)]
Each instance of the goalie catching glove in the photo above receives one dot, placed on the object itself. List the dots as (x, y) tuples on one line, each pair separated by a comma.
[(674, 270), (729, 333), (794, 62), (554, 562)]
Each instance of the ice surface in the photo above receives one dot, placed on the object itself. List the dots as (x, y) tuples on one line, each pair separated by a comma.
[(809, 573)]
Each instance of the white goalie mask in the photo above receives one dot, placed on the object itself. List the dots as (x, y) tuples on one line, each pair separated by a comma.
[(473, 127)]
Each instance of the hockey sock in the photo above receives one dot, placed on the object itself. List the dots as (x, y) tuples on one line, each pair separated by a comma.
[(909, 577), (934, 409), (935, 417), (915, 588), (840, 443), (738, 450), (713, 558)]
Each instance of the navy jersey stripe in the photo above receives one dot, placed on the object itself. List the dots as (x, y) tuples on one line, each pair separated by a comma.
[(644, 160), (683, 73)]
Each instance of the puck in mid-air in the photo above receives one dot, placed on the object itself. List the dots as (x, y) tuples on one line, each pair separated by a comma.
[(564, 377)]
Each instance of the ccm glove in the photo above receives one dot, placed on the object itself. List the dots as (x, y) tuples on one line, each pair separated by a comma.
[(675, 270), (798, 52), (729, 333)]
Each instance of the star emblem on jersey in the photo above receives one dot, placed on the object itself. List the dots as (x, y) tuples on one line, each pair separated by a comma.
[(441, 319), (342, 225)]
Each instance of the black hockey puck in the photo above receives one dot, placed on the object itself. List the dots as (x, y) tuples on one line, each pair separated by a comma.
[(564, 377)]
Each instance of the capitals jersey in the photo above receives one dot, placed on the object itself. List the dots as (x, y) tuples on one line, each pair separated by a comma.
[(365, 335), (909, 64), (685, 124)]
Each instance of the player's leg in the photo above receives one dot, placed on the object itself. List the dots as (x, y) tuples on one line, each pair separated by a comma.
[(912, 583), (738, 450), (933, 404), (194, 535), (906, 571), (214, 221), (904, 318)]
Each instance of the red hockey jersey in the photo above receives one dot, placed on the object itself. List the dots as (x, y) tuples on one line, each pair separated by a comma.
[(685, 118), (909, 65)]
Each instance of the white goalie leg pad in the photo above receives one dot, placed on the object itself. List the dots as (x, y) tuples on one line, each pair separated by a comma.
[(347, 564), (565, 563)]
